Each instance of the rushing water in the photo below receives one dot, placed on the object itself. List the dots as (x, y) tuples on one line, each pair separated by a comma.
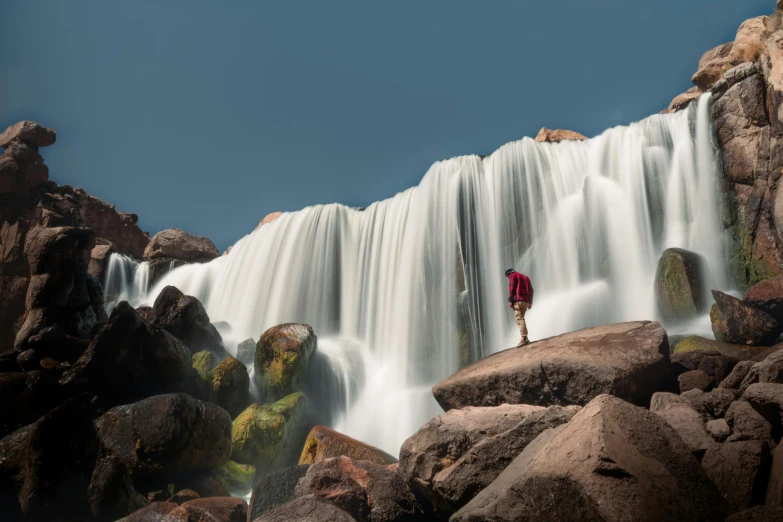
[(405, 292)]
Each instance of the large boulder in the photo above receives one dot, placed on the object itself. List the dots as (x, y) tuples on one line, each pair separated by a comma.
[(25, 397), (740, 471), (612, 462), (712, 66), (628, 360), (747, 424), (556, 136), (269, 436), (178, 244), (28, 132), (167, 436), (21, 167), (230, 385), (767, 399), (366, 490), (737, 375), (274, 489), (184, 317), (679, 285), (461, 452), (767, 296), (325, 443), (283, 354), (236, 478), (310, 508), (214, 509), (695, 343), (111, 493), (737, 322), (711, 405), (689, 425), (714, 365)]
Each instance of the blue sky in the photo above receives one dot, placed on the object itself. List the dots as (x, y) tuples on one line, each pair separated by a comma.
[(208, 115)]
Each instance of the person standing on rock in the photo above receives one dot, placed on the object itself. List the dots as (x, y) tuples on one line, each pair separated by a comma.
[(520, 298)]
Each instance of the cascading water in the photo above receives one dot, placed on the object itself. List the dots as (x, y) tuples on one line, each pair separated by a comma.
[(126, 280), (405, 292)]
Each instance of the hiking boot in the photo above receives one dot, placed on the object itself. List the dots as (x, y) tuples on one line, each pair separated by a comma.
[(523, 342)]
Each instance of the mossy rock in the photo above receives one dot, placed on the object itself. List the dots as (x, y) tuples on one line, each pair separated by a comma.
[(230, 384), (236, 478), (325, 443), (695, 343), (269, 436), (679, 285), (283, 354), (204, 362)]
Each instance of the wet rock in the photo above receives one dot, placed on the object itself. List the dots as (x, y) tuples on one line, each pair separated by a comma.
[(167, 436), (111, 493), (737, 375), (155, 512), (767, 296), (184, 495), (459, 453), (366, 490), (718, 429), (613, 459), (325, 443), (555, 136), (695, 379), (274, 489), (246, 351), (628, 360), (269, 436), (694, 344), (310, 508), (739, 470), (737, 322), (25, 397), (160, 267), (679, 285), (214, 509), (747, 423), (28, 132), (178, 244), (282, 357), (689, 425), (230, 383), (184, 317), (204, 362)]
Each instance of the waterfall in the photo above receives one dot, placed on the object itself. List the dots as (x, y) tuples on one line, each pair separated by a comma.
[(404, 293), (126, 280)]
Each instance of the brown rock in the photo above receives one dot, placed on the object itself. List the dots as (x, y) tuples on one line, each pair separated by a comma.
[(775, 485), (111, 493), (737, 375), (713, 364), (663, 400), (689, 425), (182, 496), (555, 136), (214, 509), (613, 461), (757, 514), (628, 360), (748, 42), (767, 296), (739, 470), (310, 508), (269, 218), (713, 404), (274, 489), (21, 169), (283, 354), (747, 423), (682, 101), (695, 379), (26, 396), (178, 244), (767, 399), (737, 322), (155, 512), (718, 429), (28, 132), (712, 65), (325, 443), (99, 261)]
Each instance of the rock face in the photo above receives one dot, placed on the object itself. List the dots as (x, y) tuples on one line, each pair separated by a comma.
[(178, 244), (555, 136), (628, 360), (269, 436), (679, 285), (457, 454), (184, 317), (737, 322), (167, 436), (283, 354), (274, 489), (612, 460), (325, 443), (29, 133), (366, 490)]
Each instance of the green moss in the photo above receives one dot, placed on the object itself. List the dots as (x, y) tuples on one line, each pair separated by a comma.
[(695, 343), (236, 478), (204, 362)]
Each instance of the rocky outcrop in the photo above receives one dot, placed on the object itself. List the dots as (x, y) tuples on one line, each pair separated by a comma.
[(283, 354), (324, 443), (734, 321), (555, 136), (679, 285), (628, 360), (178, 244), (612, 460)]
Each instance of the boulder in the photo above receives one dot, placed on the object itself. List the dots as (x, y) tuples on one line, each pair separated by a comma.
[(310, 508), (695, 379), (184, 317), (775, 485), (167, 436), (325, 443), (748, 42), (269, 436), (767, 296), (712, 66), (230, 384), (178, 244), (712, 404), (555, 136), (767, 399), (679, 285), (612, 462), (21, 170), (694, 343), (737, 322), (364, 489), (718, 429), (689, 425), (737, 375), (747, 424), (740, 471), (246, 351), (628, 360), (771, 368), (183, 495), (214, 509), (714, 364), (29, 133), (682, 101), (236, 478), (160, 267), (204, 362), (25, 397), (274, 489), (757, 514), (154, 512), (99, 260), (111, 494), (663, 400), (282, 356)]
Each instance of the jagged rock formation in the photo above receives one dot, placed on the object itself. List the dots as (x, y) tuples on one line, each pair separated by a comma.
[(556, 136)]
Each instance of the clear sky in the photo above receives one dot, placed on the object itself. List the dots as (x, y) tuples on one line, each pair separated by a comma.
[(207, 115)]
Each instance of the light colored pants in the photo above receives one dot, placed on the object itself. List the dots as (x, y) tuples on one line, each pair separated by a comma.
[(520, 307)]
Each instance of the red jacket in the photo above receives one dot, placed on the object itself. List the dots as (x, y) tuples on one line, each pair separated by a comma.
[(519, 288)]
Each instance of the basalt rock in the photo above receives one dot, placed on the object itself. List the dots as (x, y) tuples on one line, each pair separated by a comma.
[(737, 322), (767, 296), (111, 493), (274, 489), (25, 397), (178, 244), (748, 424), (310, 508), (325, 443), (628, 360), (679, 285), (214, 509), (740, 471), (230, 382), (283, 354)]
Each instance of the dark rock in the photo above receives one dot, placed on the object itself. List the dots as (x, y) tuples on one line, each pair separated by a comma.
[(246, 351), (25, 397), (767, 296), (364, 489), (758, 514), (111, 493), (629, 360), (99, 260), (695, 379), (183, 495), (310, 508), (178, 244), (612, 461), (215, 509), (713, 404), (324, 443), (230, 383), (167, 436), (775, 484), (155, 512), (28, 132), (718, 429), (679, 285), (771, 368), (737, 375), (739, 470), (737, 322), (689, 426), (274, 489), (21, 169), (767, 399), (747, 423), (184, 317), (716, 365), (281, 359), (160, 267)]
